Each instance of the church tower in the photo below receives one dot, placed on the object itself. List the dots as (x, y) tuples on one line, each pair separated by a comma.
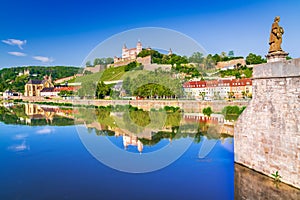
[(139, 47), (125, 53)]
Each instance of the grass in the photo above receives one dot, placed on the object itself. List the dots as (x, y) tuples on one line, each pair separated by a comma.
[(113, 73), (110, 74)]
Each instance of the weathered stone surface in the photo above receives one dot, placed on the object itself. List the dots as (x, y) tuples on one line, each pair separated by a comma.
[(267, 133), (252, 185)]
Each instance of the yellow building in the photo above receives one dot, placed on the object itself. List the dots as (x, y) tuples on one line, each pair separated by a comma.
[(34, 87)]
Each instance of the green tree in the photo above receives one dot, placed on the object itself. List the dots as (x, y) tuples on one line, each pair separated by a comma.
[(231, 53), (97, 61), (131, 66), (126, 84), (210, 61), (87, 89), (202, 94), (88, 63), (65, 93), (253, 59), (197, 57), (248, 73), (207, 111), (102, 90)]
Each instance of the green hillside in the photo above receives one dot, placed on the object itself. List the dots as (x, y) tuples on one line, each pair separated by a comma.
[(10, 79), (110, 74)]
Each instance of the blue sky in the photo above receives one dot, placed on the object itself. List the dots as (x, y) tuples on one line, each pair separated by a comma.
[(50, 32)]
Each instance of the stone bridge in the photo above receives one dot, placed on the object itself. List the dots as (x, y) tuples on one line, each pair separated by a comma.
[(267, 134)]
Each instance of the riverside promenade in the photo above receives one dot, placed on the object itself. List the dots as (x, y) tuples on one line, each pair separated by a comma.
[(186, 105)]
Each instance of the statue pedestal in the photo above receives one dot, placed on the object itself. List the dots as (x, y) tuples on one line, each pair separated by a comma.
[(276, 56)]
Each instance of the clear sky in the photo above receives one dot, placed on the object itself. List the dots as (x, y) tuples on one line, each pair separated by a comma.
[(51, 32)]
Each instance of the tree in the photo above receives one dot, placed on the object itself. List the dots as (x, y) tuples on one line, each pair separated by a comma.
[(103, 61), (126, 84), (102, 90), (209, 61), (253, 59), (88, 63), (109, 60), (202, 94), (248, 73), (131, 66), (97, 61), (207, 111), (65, 93), (197, 57), (230, 95), (223, 54), (231, 53), (87, 89)]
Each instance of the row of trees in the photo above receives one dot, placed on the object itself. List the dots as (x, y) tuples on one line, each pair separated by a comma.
[(160, 58), (157, 84), (91, 89), (99, 61)]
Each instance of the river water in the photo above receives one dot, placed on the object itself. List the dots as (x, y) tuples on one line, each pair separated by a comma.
[(44, 155)]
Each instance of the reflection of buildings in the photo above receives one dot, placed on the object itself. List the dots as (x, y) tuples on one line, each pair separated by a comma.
[(34, 111), (132, 141), (225, 126), (37, 112), (192, 124), (201, 118)]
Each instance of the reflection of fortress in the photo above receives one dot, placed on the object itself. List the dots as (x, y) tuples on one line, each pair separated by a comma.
[(216, 122), (133, 141)]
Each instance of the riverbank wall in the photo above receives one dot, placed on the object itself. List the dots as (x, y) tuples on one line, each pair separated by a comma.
[(186, 105)]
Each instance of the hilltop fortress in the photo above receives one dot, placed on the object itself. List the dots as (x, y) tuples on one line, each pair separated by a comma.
[(131, 55)]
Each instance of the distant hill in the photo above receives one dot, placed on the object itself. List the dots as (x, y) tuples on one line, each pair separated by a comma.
[(15, 78)]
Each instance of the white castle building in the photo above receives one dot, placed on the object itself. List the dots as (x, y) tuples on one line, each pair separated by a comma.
[(129, 54)]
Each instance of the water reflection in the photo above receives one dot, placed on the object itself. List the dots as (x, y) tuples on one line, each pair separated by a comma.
[(135, 127), (141, 128), (26, 147), (36, 115), (252, 185)]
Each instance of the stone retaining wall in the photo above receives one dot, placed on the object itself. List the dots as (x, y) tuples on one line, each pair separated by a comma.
[(267, 134)]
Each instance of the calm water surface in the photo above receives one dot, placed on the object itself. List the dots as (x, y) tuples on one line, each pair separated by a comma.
[(43, 157), (50, 162)]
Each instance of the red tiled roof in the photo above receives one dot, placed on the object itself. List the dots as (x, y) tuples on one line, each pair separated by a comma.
[(66, 88), (216, 83)]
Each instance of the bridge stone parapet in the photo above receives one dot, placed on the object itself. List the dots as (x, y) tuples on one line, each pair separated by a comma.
[(267, 134)]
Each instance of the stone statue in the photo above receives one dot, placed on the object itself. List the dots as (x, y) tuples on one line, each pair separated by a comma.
[(276, 36)]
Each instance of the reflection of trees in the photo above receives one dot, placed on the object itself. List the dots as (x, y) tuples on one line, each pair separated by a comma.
[(9, 116), (86, 114), (133, 121), (16, 115), (140, 117), (157, 138)]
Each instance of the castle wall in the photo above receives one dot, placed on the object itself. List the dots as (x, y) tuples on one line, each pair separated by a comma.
[(267, 134), (222, 64)]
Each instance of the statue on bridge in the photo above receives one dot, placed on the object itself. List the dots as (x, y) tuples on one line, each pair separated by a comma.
[(275, 52), (276, 36)]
